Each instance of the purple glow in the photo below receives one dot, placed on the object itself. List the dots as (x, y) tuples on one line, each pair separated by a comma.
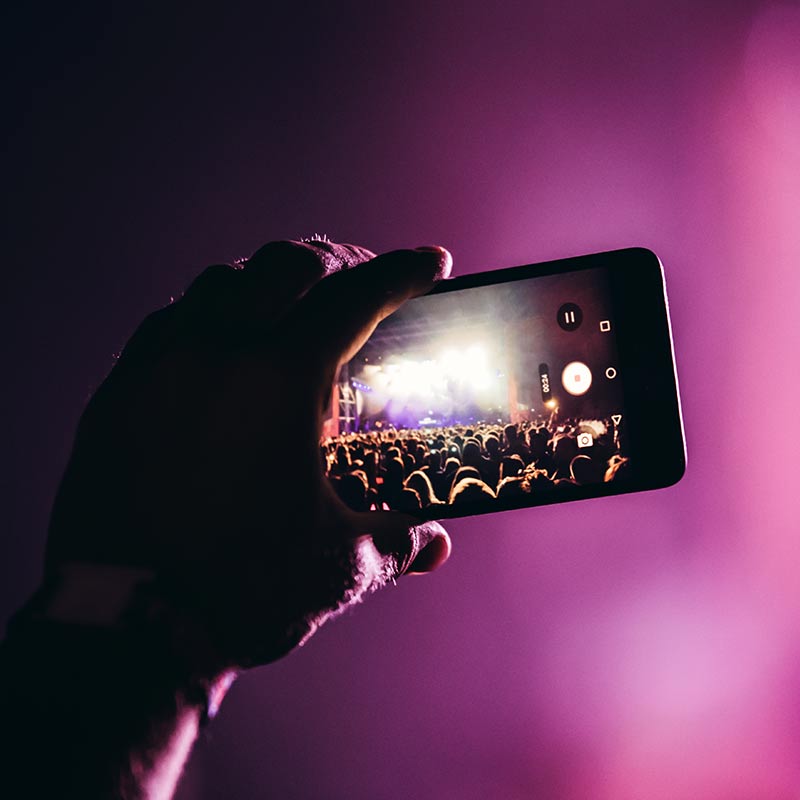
[(628, 648)]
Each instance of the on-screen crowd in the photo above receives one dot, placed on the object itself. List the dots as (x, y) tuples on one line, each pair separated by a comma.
[(410, 470)]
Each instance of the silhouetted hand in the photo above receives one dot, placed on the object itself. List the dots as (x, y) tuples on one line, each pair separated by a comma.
[(198, 457)]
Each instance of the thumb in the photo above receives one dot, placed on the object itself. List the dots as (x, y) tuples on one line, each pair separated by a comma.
[(414, 545)]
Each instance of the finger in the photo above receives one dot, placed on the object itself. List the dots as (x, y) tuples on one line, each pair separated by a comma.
[(413, 547), (211, 309), (337, 316), (148, 341), (277, 275), (213, 292), (234, 304), (160, 329)]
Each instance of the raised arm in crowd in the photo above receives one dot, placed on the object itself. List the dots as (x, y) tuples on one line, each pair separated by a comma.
[(194, 533)]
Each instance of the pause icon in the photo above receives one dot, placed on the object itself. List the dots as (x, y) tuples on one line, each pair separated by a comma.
[(569, 316)]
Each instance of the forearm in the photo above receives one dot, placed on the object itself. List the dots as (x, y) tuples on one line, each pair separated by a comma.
[(92, 713)]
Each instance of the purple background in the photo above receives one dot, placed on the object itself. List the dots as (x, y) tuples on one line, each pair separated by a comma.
[(635, 647)]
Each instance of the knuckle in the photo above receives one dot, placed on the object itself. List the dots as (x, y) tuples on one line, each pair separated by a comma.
[(150, 337), (210, 281), (400, 545), (317, 257), (288, 253)]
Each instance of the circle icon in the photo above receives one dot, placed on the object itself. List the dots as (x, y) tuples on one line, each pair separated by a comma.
[(576, 378), (569, 317), (611, 373)]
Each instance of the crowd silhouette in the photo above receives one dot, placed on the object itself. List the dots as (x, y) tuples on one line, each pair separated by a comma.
[(466, 465)]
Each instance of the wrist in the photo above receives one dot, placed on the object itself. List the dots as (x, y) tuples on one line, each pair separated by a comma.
[(111, 623), (106, 702)]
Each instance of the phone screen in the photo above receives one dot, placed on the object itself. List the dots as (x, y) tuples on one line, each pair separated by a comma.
[(489, 397)]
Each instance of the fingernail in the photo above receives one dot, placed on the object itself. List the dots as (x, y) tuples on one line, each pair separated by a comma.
[(432, 555), (444, 255)]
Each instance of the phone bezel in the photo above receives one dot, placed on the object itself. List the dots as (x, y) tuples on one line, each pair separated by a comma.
[(650, 387)]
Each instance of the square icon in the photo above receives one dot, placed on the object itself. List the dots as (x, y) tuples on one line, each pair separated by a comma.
[(605, 325)]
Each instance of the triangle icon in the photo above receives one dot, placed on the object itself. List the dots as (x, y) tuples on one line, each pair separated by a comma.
[(616, 418)]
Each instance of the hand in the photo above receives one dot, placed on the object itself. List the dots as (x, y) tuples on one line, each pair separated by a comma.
[(198, 457)]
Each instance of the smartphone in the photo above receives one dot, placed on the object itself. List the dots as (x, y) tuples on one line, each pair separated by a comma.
[(512, 388)]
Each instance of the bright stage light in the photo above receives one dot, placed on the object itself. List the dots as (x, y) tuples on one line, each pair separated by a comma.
[(456, 376), (469, 366), (451, 362), (477, 367), (476, 353), (418, 378)]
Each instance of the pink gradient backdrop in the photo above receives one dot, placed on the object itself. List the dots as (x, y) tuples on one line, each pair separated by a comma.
[(627, 648)]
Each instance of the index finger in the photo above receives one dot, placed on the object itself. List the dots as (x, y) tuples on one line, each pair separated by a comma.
[(337, 316), (278, 274)]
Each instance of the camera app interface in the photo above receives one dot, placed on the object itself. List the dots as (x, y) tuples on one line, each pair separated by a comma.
[(481, 397)]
